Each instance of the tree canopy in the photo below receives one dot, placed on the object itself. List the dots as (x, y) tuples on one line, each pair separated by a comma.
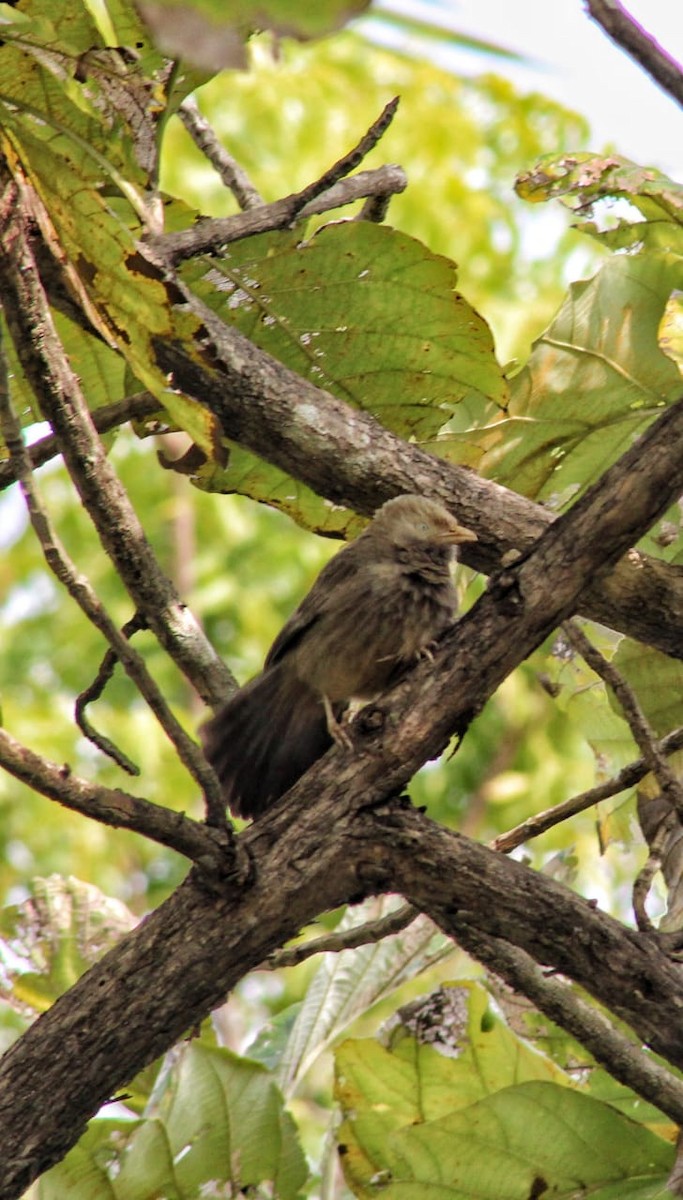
[(247, 295)]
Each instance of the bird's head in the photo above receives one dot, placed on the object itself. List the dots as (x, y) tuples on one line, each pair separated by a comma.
[(417, 520)]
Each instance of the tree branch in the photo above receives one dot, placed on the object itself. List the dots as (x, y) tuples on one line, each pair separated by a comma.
[(59, 395), (81, 591), (347, 939), (232, 174), (628, 777), (132, 408), (621, 1057), (212, 233), (641, 730), (348, 457), (95, 690), (322, 195), (628, 35), (206, 846), (671, 789)]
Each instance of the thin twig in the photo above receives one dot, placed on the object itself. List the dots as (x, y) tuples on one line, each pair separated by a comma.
[(135, 407), (645, 877), (46, 365), (628, 777), (350, 939), (204, 846), (375, 209), (629, 35), (670, 786), (348, 162), (623, 1059), (211, 234), (61, 400), (94, 691), (209, 848), (233, 175), (80, 590), (640, 728)]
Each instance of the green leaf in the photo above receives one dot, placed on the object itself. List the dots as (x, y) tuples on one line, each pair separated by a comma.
[(219, 1123), (657, 681), (365, 311), (499, 1121), (74, 90), (442, 33), (286, 17), (410, 1131), (530, 1140), (671, 329), (595, 380), (489, 1056), (82, 1175)]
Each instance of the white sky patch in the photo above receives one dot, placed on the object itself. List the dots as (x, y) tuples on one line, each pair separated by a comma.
[(570, 58)]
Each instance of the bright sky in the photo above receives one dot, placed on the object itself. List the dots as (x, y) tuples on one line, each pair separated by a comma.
[(573, 61)]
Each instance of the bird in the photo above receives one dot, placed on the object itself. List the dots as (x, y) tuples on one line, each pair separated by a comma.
[(373, 611)]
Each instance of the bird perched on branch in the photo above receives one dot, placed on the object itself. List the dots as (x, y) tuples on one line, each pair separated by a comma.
[(373, 610)]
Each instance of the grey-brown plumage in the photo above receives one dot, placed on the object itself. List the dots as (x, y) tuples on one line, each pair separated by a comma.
[(373, 609)]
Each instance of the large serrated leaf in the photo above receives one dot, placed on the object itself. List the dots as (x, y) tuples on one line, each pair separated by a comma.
[(531, 1140), (595, 380), (488, 1057), (365, 312), (362, 310)]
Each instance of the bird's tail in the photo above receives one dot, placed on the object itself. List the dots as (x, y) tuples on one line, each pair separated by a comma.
[(265, 737)]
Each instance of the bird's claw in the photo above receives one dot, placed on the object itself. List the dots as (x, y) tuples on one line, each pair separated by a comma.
[(336, 729)]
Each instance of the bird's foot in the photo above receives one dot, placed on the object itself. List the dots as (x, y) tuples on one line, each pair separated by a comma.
[(336, 728), (426, 651)]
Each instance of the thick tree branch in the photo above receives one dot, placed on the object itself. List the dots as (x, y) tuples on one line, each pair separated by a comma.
[(335, 836), (349, 458), (499, 898), (346, 456)]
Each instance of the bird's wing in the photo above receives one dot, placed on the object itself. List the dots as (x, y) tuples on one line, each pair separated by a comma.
[(315, 604)]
